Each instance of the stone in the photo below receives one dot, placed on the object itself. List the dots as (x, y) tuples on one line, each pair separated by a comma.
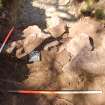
[(84, 25), (32, 38), (11, 47), (57, 27), (28, 45), (63, 57), (91, 61), (51, 44), (32, 31), (77, 43)]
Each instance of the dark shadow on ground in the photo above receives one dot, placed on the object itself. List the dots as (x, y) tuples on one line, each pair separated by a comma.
[(31, 15), (12, 72), (20, 14)]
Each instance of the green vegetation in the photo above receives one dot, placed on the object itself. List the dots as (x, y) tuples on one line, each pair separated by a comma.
[(99, 14), (90, 8), (1, 4), (87, 7)]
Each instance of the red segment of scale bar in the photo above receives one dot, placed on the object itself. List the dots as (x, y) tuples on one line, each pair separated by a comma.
[(6, 39)]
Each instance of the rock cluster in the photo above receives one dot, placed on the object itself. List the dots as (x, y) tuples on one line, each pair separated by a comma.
[(77, 62)]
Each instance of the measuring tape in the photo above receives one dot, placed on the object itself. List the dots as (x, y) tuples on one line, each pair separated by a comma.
[(6, 38), (56, 91)]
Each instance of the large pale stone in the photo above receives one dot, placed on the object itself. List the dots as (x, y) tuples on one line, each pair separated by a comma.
[(32, 38), (91, 61), (34, 31), (84, 25), (56, 27), (75, 45)]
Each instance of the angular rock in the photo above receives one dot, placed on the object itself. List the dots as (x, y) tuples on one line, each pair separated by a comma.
[(34, 31), (32, 38), (63, 57), (77, 43), (51, 44), (11, 47), (57, 27), (84, 25), (91, 61)]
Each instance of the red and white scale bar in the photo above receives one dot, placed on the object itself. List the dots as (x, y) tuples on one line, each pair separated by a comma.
[(6, 39), (56, 92)]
